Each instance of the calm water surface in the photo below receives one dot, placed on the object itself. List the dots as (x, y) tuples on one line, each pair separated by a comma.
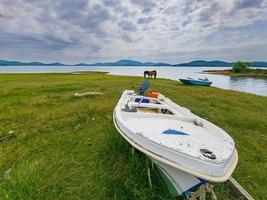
[(250, 85)]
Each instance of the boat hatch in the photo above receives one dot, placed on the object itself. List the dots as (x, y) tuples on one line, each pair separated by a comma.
[(208, 154)]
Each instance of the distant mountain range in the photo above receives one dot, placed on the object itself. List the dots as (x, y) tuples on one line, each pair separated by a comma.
[(125, 63), (197, 63), (17, 63), (200, 63), (217, 63)]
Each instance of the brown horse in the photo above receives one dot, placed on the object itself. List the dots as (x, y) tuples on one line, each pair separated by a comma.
[(150, 74)]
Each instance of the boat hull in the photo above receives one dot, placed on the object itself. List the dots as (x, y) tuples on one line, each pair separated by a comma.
[(194, 164), (149, 148), (177, 181), (195, 82)]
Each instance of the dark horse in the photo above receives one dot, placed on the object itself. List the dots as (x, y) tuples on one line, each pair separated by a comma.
[(150, 74)]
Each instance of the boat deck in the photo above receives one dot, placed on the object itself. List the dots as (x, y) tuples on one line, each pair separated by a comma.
[(182, 136)]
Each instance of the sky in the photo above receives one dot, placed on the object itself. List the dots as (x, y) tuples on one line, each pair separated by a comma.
[(170, 31)]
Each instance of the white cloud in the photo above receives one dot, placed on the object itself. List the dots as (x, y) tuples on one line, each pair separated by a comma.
[(83, 30)]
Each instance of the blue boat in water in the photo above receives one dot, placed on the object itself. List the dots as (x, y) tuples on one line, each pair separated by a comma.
[(191, 81)]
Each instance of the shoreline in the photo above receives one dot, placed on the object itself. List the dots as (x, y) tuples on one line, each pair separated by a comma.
[(253, 73), (84, 72)]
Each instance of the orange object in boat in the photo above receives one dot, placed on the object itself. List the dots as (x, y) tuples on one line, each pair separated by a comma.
[(153, 94)]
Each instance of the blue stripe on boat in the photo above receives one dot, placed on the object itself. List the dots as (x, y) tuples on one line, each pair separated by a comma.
[(174, 132), (139, 100)]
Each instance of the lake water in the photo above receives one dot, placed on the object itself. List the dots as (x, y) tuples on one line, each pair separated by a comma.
[(244, 84)]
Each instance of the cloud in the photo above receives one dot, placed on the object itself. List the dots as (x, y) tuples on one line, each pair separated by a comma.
[(127, 25), (145, 20), (111, 3), (144, 5), (92, 30), (240, 4), (208, 12)]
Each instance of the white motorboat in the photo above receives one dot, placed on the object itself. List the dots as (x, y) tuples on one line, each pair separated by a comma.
[(188, 149)]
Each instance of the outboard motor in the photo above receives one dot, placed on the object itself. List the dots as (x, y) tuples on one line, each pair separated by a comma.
[(143, 88)]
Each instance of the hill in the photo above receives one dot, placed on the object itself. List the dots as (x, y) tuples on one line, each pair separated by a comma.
[(203, 63), (197, 63)]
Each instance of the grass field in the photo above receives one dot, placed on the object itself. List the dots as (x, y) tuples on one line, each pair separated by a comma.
[(68, 148)]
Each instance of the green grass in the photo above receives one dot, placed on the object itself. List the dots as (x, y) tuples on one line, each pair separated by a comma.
[(255, 73), (68, 148)]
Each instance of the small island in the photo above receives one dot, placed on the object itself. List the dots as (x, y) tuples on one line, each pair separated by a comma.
[(241, 69)]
